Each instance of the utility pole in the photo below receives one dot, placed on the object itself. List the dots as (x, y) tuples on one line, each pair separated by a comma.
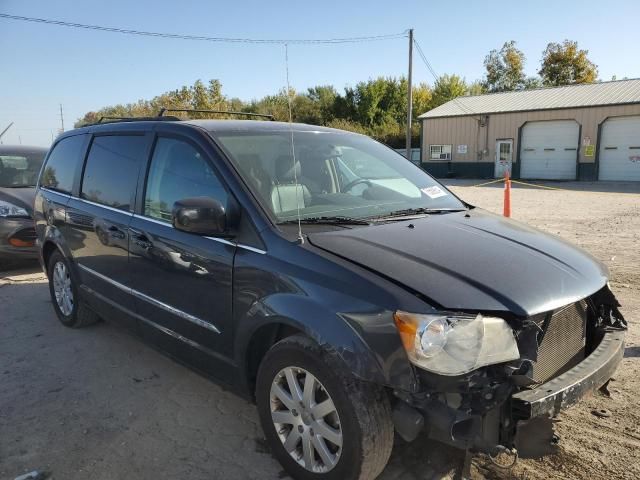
[(5, 131), (61, 119), (409, 95)]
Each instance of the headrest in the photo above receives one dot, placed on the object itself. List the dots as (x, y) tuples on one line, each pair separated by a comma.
[(286, 171)]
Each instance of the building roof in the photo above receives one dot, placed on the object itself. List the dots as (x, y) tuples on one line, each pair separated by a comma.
[(570, 96)]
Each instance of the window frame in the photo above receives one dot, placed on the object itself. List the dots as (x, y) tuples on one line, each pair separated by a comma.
[(145, 158), (143, 180), (77, 174)]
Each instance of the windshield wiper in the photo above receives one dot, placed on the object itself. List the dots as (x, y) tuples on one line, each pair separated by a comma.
[(327, 221), (408, 212)]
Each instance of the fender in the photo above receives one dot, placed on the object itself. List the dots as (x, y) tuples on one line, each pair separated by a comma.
[(336, 332), (52, 235)]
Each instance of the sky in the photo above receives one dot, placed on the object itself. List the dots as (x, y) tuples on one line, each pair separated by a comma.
[(43, 66)]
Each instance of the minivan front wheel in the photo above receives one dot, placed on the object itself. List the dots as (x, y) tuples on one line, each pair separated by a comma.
[(320, 422), (64, 294)]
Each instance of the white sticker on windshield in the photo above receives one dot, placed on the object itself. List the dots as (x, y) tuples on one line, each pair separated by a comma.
[(433, 192)]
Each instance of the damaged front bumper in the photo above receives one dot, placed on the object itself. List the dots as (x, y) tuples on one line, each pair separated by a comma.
[(490, 409), (567, 389)]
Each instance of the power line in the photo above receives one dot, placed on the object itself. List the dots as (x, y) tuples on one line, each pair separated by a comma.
[(436, 77), (371, 38)]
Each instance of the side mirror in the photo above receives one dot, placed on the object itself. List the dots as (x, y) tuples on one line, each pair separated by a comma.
[(200, 215)]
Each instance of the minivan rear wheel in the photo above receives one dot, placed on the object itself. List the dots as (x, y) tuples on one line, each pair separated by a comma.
[(320, 422), (64, 294)]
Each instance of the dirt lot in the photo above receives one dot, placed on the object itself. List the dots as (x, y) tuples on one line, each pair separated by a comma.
[(98, 404)]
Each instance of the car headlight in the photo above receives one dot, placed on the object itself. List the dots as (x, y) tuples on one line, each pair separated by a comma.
[(454, 344), (10, 210)]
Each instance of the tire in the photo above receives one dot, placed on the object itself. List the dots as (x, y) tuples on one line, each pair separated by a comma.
[(362, 414), (70, 311)]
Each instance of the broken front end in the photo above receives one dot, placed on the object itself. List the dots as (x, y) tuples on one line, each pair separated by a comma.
[(562, 355)]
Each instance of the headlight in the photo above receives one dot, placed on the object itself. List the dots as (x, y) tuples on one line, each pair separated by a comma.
[(10, 210), (452, 344)]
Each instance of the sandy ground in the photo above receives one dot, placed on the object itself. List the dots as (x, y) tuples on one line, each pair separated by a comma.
[(97, 404)]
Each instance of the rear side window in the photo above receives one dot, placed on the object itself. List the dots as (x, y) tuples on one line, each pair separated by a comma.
[(111, 172), (178, 171), (63, 163)]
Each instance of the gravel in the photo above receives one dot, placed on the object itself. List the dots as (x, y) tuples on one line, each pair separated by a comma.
[(97, 403)]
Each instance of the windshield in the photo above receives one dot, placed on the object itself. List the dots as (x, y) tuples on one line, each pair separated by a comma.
[(334, 175), (20, 170)]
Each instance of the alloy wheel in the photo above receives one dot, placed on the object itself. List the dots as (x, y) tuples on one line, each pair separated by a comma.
[(62, 288), (306, 419)]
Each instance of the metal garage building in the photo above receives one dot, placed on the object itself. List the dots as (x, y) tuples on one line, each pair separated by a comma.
[(584, 132)]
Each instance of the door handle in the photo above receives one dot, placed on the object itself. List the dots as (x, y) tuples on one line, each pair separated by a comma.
[(115, 232), (142, 241)]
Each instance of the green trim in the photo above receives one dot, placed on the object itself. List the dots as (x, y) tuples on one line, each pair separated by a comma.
[(587, 172), (459, 169)]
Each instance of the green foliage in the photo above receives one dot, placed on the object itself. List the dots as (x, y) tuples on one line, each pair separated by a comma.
[(446, 88), (565, 64), (422, 97), (477, 88), (376, 107), (505, 69)]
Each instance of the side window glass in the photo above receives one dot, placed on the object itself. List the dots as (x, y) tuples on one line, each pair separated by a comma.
[(62, 165), (178, 171), (111, 173)]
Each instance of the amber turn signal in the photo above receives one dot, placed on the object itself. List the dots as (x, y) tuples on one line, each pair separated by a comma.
[(16, 242)]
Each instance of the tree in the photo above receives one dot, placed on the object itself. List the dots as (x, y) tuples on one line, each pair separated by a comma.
[(505, 69), (422, 97), (532, 82), (446, 88), (376, 107), (477, 88), (564, 64)]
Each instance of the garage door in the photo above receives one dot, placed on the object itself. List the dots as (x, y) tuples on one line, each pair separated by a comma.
[(549, 150), (620, 149)]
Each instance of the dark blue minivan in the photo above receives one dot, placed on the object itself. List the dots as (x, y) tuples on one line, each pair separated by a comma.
[(328, 279)]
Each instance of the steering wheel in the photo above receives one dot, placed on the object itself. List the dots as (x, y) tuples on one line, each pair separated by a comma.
[(355, 182)]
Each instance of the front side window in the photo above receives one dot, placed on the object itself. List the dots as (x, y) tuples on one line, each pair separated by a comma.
[(111, 172), (334, 175), (178, 171), (63, 163)]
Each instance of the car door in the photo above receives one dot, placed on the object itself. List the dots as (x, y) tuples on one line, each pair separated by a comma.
[(182, 281), (99, 219)]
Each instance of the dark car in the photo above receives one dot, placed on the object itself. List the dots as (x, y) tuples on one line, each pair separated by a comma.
[(324, 276), (19, 168)]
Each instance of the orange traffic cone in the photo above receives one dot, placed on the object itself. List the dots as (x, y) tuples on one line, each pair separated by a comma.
[(507, 195)]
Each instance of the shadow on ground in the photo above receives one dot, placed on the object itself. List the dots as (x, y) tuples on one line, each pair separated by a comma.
[(632, 352), (18, 267)]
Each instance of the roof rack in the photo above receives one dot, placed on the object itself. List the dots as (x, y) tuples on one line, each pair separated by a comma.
[(106, 119), (226, 112)]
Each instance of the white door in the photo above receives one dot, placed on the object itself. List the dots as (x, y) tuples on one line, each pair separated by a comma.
[(549, 150), (504, 157), (619, 154)]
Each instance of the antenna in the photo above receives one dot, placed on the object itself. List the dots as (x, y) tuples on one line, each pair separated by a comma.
[(293, 147), (5, 131), (61, 119)]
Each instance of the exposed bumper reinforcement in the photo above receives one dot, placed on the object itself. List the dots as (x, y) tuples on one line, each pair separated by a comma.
[(567, 389)]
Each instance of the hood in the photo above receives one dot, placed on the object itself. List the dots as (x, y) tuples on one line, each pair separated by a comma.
[(21, 197), (473, 261)]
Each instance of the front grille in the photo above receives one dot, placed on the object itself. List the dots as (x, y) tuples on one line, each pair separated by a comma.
[(26, 234), (563, 342)]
